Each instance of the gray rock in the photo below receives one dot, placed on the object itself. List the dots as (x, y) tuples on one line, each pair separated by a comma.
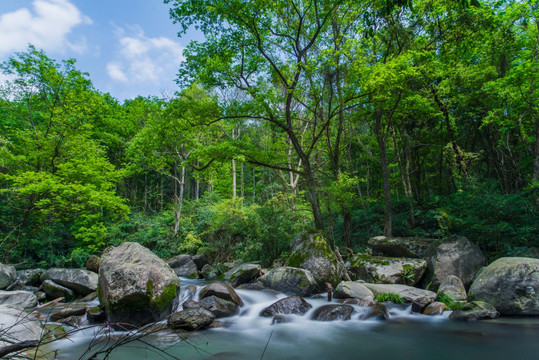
[(511, 285), (96, 315), (24, 299), (400, 247), (386, 270), (92, 264), (310, 251), (421, 298), (200, 260), (30, 277), (435, 308), (221, 290), (184, 266), (376, 311), (68, 312), (457, 256), (219, 307), (354, 301), (191, 319), (289, 305), (475, 310), (290, 280), (136, 287), (453, 287), (332, 312), (81, 281), (244, 273), (16, 325), (350, 289), (209, 273), (7, 275), (54, 290)]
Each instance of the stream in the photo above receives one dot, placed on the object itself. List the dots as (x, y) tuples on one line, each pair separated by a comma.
[(405, 335)]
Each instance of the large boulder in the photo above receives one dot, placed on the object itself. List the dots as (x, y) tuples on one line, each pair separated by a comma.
[(400, 247), (219, 307), (183, 265), (350, 289), (24, 299), (81, 281), (54, 291), (221, 290), (191, 319), (244, 273), (453, 287), (290, 280), (7, 275), (456, 256), (510, 284), (93, 263), (200, 260), (475, 310), (295, 305), (31, 277), (16, 325), (419, 297), (136, 287), (387, 270), (311, 252), (332, 312)]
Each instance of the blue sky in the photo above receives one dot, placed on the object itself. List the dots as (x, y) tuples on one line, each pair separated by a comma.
[(129, 47)]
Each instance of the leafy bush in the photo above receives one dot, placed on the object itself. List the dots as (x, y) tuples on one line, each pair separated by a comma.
[(394, 298)]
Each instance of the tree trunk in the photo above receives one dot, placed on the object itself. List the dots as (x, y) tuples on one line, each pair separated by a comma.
[(180, 202), (388, 211)]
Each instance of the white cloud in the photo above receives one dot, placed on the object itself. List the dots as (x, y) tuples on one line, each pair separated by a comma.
[(141, 59), (115, 72), (46, 26)]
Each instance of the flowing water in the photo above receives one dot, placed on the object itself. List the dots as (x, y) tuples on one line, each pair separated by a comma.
[(405, 335)]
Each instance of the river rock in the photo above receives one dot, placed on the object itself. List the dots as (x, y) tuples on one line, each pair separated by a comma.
[(350, 289), (17, 325), (354, 301), (456, 256), (200, 260), (475, 310), (419, 297), (81, 281), (184, 266), (244, 273), (191, 319), (221, 290), (7, 275), (96, 315), (54, 291), (386, 270), (332, 312), (290, 280), (68, 312), (511, 285), (295, 305), (400, 247), (435, 308), (31, 277), (92, 264), (21, 298), (453, 287), (219, 307), (376, 311), (136, 287), (310, 251)]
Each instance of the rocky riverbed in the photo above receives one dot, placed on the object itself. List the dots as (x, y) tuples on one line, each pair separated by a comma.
[(312, 293)]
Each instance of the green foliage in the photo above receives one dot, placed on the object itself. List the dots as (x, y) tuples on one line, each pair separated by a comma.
[(451, 304), (392, 297)]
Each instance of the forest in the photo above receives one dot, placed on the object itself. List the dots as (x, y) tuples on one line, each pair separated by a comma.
[(356, 118)]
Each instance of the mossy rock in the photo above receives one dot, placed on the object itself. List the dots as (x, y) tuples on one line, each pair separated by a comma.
[(310, 251), (136, 287)]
